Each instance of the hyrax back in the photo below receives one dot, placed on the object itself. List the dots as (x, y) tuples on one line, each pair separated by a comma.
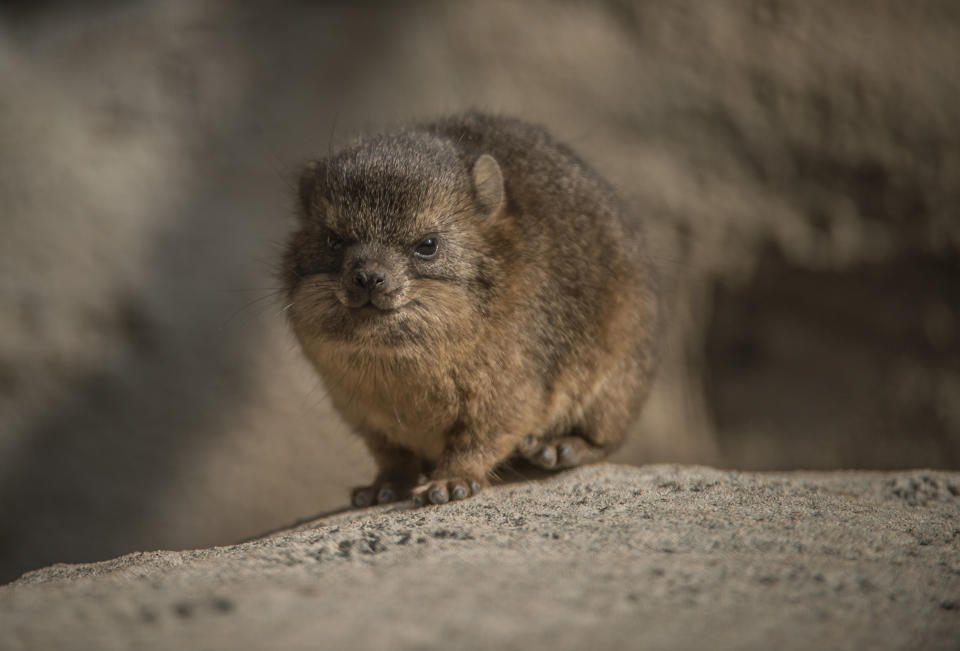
[(470, 290)]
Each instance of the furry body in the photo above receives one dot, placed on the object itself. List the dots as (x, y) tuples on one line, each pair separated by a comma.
[(470, 290)]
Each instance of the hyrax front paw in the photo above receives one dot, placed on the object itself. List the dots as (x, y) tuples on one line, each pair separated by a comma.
[(381, 492), (441, 491)]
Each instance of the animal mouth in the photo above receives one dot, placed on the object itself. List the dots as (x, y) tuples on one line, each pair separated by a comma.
[(378, 304)]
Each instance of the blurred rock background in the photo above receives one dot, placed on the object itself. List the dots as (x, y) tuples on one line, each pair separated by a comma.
[(796, 164)]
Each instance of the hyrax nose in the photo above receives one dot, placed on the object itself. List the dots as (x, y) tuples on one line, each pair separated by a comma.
[(369, 279)]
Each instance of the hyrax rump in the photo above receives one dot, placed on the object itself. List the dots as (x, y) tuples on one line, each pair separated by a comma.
[(469, 290)]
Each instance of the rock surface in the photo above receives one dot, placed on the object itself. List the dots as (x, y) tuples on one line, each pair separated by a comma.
[(604, 557)]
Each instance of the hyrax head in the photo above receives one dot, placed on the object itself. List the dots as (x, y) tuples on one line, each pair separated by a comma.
[(392, 248)]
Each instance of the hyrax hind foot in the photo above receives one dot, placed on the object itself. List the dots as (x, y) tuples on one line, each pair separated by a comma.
[(554, 454), (441, 491)]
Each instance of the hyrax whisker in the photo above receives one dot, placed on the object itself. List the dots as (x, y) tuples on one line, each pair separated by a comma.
[(249, 305)]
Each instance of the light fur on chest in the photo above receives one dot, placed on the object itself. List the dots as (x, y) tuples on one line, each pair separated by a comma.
[(410, 402)]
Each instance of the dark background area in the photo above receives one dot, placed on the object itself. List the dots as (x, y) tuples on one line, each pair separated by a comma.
[(795, 165)]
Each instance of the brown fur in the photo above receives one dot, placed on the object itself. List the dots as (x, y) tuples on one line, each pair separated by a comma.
[(530, 331)]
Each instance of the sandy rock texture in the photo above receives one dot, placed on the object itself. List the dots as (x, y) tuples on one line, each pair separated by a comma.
[(604, 557)]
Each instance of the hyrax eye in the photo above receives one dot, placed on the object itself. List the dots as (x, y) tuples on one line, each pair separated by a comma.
[(334, 243), (427, 248)]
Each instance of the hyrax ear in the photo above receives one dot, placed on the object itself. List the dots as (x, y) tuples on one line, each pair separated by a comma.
[(311, 200), (488, 183)]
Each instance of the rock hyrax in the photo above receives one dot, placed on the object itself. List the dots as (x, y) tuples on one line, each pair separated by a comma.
[(470, 290)]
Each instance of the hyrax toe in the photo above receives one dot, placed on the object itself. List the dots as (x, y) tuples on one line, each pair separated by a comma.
[(459, 489), (567, 455), (538, 452), (559, 453), (363, 496), (383, 492), (438, 493), (386, 494), (529, 446), (546, 457), (392, 492), (442, 491)]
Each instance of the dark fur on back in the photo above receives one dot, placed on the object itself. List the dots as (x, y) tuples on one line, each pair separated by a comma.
[(529, 329)]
